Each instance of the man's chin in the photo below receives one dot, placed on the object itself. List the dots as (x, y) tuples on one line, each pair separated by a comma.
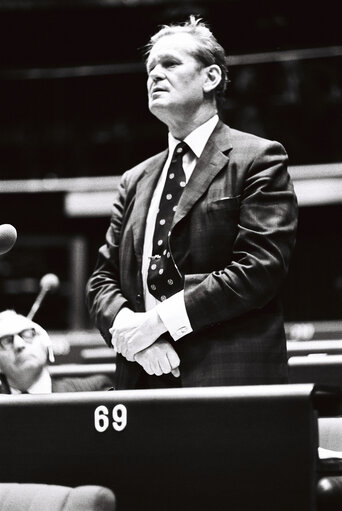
[(29, 362), (160, 109)]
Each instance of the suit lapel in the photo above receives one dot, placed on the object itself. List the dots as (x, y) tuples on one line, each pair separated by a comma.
[(144, 192), (208, 166), (212, 160)]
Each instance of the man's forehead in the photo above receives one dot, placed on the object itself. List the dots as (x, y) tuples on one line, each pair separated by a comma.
[(14, 324), (173, 43)]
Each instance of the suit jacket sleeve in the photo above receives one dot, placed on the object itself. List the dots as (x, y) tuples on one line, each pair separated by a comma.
[(98, 382), (104, 296), (262, 247)]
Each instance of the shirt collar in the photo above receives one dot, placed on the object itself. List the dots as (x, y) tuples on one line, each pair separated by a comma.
[(198, 138)]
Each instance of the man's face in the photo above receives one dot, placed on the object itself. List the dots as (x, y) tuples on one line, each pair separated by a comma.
[(175, 78), (22, 350)]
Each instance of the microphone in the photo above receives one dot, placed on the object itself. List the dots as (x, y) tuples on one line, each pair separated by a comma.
[(8, 236), (48, 283)]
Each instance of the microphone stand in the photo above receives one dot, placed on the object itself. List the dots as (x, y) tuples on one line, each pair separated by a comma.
[(49, 282), (37, 302)]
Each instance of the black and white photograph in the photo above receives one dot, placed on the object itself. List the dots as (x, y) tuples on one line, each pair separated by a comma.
[(170, 255)]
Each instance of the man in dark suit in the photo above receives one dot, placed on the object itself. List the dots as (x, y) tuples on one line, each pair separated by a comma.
[(25, 348), (186, 287)]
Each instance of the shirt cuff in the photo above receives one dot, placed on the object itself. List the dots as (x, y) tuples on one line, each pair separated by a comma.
[(173, 314)]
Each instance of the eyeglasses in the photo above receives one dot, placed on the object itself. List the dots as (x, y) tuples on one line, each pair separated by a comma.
[(6, 341)]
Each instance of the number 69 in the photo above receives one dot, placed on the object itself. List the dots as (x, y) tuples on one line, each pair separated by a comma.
[(119, 416)]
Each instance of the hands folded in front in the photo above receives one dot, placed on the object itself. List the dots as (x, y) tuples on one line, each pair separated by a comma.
[(136, 336)]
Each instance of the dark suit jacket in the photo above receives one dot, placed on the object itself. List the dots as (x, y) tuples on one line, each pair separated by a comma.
[(86, 384), (231, 238)]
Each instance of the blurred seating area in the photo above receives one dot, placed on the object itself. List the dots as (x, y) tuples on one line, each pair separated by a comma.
[(42, 497), (181, 449)]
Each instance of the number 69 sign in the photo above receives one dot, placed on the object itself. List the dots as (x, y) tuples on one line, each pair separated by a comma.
[(119, 418)]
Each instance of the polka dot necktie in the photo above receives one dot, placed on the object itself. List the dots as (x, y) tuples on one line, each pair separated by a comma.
[(163, 278)]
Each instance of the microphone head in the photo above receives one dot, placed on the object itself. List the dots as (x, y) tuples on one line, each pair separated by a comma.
[(8, 236), (50, 282)]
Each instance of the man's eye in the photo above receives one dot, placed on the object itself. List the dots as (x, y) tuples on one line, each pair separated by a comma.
[(166, 65), (170, 63), (28, 333), (7, 339)]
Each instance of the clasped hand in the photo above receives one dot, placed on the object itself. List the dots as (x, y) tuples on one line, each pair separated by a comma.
[(134, 335), (160, 358), (134, 331)]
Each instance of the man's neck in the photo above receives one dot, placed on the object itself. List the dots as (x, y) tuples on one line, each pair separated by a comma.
[(181, 128), (26, 383)]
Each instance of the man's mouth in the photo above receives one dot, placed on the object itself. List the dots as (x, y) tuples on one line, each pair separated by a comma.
[(157, 89)]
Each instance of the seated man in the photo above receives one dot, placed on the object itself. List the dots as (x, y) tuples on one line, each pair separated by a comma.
[(25, 349)]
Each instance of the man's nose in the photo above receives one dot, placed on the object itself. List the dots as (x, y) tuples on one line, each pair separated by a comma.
[(157, 73), (18, 343)]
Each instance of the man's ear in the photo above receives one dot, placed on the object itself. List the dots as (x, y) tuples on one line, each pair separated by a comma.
[(213, 76), (45, 339)]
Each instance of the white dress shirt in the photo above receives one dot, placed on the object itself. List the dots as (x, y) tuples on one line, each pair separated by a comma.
[(172, 311)]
